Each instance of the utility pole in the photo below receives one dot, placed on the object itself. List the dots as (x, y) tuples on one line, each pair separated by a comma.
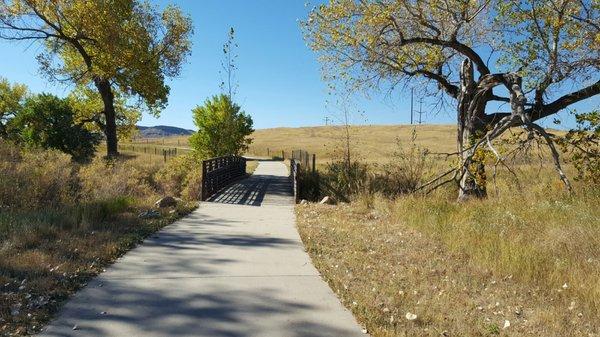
[(411, 105), (327, 119), (420, 110)]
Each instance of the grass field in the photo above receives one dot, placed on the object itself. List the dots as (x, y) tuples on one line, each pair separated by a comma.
[(508, 267), (373, 142), (524, 262)]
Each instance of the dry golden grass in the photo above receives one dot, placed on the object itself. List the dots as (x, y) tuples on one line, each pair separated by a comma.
[(374, 142), (62, 223), (251, 166), (53, 253), (529, 256)]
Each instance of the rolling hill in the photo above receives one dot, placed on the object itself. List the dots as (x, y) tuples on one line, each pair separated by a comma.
[(162, 131)]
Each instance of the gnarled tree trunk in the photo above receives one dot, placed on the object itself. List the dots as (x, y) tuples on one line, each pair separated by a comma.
[(471, 127), (110, 128)]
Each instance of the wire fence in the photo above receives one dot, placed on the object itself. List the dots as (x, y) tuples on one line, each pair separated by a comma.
[(159, 152)]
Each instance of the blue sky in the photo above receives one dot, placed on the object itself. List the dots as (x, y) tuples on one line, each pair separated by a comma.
[(279, 76)]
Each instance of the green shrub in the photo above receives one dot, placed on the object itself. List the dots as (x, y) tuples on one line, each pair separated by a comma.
[(47, 121), (343, 180), (407, 169), (93, 214), (223, 128), (309, 185), (581, 145)]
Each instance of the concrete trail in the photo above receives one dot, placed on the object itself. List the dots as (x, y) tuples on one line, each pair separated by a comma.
[(234, 267)]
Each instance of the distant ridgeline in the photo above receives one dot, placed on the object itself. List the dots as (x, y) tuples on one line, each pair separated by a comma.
[(162, 131)]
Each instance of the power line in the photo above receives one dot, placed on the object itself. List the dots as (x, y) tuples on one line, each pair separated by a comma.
[(411, 105), (420, 110)]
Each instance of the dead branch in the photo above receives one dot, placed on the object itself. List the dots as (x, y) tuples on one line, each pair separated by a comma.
[(436, 179), (555, 155)]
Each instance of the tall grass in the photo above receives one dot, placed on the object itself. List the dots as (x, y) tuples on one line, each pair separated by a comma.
[(529, 254), (62, 223), (530, 257), (34, 179), (543, 237)]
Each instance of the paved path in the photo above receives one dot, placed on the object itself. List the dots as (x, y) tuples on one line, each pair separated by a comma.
[(234, 267)]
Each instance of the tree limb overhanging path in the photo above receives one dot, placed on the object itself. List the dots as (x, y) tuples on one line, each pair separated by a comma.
[(234, 267)]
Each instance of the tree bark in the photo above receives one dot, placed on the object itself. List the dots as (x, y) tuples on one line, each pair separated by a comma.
[(110, 128), (471, 127), (473, 177)]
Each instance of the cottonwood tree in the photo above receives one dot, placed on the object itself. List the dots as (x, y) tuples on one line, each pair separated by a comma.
[(12, 98), (539, 56), (86, 103), (114, 45), (46, 121), (223, 128)]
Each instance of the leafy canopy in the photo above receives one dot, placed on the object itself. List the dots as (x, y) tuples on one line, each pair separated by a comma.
[(87, 102), (47, 122), (553, 44), (127, 42), (223, 128), (12, 97)]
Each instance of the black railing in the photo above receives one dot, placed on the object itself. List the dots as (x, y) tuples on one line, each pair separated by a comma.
[(218, 173)]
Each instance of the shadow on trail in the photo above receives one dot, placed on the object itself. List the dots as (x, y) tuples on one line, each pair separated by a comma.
[(148, 295), (252, 190), (168, 312), (190, 249)]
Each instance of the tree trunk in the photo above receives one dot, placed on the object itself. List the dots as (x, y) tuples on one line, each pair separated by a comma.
[(473, 181), (471, 110), (110, 128)]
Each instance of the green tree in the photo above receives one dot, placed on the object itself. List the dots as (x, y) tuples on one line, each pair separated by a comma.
[(86, 103), (47, 122), (126, 46), (223, 128), (449, 48), (12, 97)]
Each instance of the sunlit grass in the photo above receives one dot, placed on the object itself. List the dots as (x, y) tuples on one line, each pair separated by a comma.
[(529, 256)]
